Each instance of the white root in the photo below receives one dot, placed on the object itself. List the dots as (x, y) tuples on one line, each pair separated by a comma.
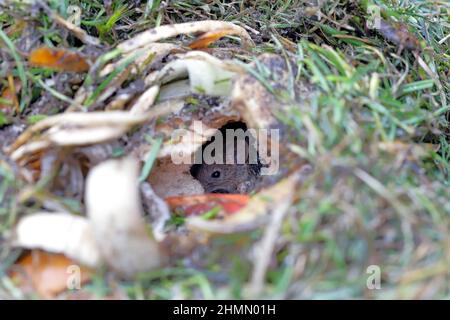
[(114, 210), (78, 129), (59, 233)]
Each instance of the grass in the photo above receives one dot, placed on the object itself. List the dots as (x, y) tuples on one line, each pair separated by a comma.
[(376, 127)]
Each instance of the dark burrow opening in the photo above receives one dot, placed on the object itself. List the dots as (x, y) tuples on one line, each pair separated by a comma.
[(234, 168)]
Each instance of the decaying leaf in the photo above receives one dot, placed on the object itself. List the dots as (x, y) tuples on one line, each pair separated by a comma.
[(210, 37), (58, 59), (49, 274), (255, 214)]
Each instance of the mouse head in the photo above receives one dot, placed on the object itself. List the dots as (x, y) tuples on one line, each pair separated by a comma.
[(217, 178), (223, 178)]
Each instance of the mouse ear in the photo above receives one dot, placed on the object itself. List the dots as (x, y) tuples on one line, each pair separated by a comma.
[(195, 170)]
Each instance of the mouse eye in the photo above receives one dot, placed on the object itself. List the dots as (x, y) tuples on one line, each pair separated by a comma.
[(215, 174)]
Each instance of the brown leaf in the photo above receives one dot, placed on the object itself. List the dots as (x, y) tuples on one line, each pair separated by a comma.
[(58, 59), (210, 37), (48, 273)]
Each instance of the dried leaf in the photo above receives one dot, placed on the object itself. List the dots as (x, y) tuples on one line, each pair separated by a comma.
[(210, 37), (254, 214), (49, 274), (58, 59)]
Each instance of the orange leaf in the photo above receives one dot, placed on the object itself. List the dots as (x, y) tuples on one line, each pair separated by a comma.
[(210, 37), (58, 59), (197, 205), (48, 273)]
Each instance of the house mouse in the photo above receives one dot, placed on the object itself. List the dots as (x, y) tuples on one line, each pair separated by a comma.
[(228, 178)]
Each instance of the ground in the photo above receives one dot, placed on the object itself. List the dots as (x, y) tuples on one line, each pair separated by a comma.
[(376, 128)]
